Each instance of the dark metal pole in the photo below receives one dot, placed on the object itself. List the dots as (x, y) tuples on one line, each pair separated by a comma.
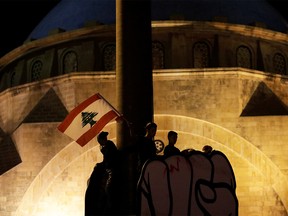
[(133, 79)]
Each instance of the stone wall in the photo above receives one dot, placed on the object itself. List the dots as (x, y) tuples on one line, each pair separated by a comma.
[(203, 106), (220, 40)]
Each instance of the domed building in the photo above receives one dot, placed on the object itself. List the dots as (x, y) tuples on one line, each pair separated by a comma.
[(219, 78)]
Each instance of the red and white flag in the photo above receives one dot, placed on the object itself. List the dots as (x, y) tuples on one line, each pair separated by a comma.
[(87, 119)]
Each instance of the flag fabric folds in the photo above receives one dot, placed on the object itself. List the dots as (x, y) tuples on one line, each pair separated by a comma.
[(86, 120)]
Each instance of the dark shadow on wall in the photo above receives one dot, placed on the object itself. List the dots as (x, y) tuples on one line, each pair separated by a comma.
[(9, 156), (264, 102)]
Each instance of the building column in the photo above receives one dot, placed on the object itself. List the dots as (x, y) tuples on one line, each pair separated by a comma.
[(134, 84)]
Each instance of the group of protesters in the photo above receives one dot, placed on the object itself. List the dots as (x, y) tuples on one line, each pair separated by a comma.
[(100, 196)]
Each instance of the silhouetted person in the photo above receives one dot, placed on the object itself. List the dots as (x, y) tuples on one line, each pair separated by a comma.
[(207, 149), (101, 193), (146, 146), (171, 149)]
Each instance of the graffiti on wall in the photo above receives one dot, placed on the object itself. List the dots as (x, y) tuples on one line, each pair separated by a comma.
[(193, 184)]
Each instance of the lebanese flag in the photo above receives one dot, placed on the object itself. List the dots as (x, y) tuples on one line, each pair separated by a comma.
[(87, 119)]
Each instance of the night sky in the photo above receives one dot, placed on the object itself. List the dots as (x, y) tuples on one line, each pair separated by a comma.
[(19, 17)]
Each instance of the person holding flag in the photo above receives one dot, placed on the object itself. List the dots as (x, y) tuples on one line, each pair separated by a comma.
[(82, 124), (101, 193)]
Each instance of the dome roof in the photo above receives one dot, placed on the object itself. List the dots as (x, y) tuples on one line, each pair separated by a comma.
[(73, 14)]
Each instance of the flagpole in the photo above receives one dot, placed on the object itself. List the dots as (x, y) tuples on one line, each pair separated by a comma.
[(121, 116)]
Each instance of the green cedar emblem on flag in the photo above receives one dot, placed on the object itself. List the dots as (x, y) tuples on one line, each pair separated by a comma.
[(87, 118)]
